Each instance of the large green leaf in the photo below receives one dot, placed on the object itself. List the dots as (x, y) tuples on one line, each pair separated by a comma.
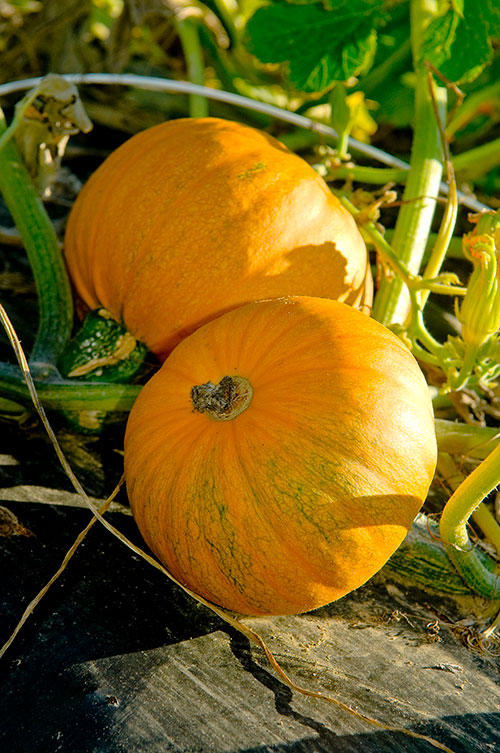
[(459, 45), (322, 43)]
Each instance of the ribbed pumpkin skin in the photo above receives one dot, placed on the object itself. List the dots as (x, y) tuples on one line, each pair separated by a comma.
[(303, 496), (193, 217)]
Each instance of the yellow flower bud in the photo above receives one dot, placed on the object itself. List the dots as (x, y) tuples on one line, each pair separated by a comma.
[(480, 309)]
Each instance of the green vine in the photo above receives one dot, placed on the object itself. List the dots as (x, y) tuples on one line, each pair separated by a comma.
[(44, 254), (55, 300), (478, 571), (187, 29), (415, 216)]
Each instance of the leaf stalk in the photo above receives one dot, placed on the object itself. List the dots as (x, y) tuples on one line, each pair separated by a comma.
[(44, 254), (478, 570), (413, 225)]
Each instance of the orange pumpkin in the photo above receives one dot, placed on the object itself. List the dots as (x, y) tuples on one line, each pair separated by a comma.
[(280, 454), (191, 218)]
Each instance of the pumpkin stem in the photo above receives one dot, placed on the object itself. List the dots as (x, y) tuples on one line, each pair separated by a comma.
[(224, 401)]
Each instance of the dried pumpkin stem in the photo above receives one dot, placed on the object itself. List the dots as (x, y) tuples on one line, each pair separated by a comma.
[(224, 401)]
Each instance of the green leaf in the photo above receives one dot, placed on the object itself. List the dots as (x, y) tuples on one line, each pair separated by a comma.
[(458, 44), (321, 44), (440, 36)]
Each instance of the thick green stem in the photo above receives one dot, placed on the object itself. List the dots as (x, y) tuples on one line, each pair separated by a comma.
[(415, 217), (479, 573), (488, 524), (386, 252), (453, 477), (377, 176), (66, 395), (188, 34), (422, 559), (448, 222), (469, 165), (341, 119), (44, 254)]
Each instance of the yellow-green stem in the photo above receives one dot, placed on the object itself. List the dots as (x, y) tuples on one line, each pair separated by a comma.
[(229, 12), (377, 176), (413, 225), (479, 572), (449, 219), (469, 165), (486, 521), (372, 235), (188, 34), (488, 525)]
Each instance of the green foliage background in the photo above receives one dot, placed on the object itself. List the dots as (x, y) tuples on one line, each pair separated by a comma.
[(288, 53)]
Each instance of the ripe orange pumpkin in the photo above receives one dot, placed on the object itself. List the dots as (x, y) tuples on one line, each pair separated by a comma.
[(280, 454), (190, 218)]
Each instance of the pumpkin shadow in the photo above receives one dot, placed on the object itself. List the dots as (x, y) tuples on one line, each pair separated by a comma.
[(467, 733), (283, 695), (289, 277)]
